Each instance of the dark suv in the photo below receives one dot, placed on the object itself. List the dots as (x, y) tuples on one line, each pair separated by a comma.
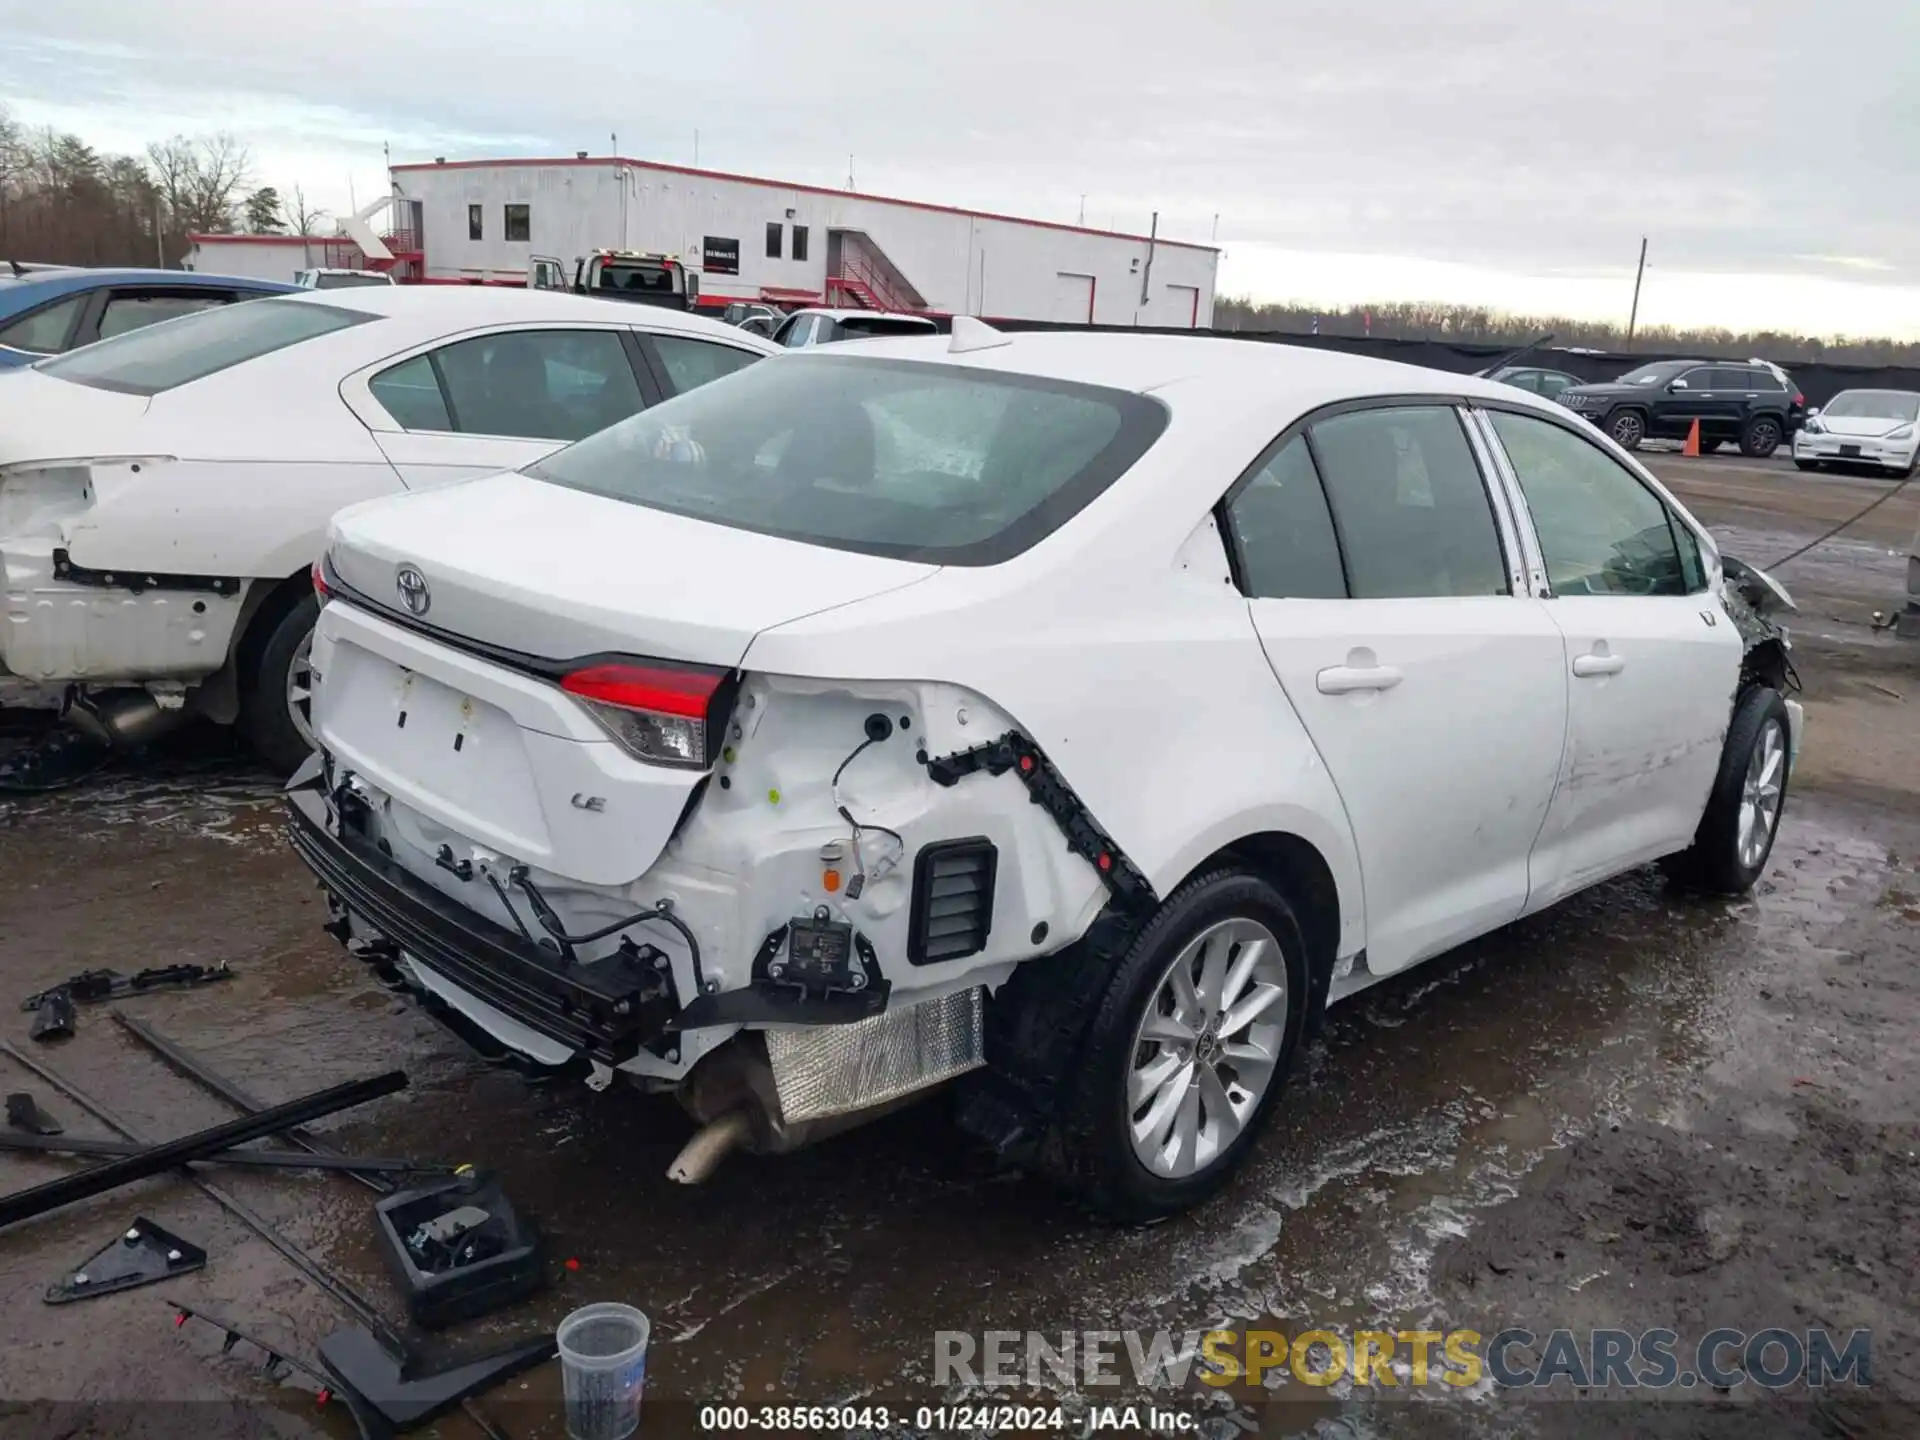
[(1750, 402)]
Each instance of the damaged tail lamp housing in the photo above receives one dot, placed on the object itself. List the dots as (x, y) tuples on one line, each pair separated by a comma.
[(659, 712)]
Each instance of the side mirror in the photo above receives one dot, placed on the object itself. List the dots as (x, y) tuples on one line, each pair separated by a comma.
[(1812, 411)]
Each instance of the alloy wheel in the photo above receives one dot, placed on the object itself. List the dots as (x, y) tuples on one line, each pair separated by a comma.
[(300, 690), (1760, 795), (1628, 430), (1765, 436), (1207, 1048)]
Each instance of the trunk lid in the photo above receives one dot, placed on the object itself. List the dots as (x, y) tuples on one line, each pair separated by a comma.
[(537, 568)]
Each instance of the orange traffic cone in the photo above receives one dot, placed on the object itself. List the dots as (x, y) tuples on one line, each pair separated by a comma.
[(1692, 446)]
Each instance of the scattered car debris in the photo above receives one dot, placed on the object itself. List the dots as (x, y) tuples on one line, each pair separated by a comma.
[(157, 1159), (53, 1018), (247, 1159), (458, 1249), (143, 1254), (359, 1363), (196, 1069), (90, 986), (24, 1113), (62, 758)]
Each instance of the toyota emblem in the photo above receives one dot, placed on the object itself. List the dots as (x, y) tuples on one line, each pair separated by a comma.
[(412, 586)]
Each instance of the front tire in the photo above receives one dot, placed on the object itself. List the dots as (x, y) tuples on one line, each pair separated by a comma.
[(1628, 429), (1761, 437), (1187, 1052), (276, 693), (1742, 817)]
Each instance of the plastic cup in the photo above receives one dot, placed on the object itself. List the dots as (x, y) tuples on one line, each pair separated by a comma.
[(603, 1366)]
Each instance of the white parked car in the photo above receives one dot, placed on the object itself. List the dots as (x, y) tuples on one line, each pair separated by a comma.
[(1862, 427), (1087, 711), (804, 329), (322, 278), (164, 494)]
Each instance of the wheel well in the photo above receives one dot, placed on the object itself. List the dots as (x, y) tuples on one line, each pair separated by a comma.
[(218, 696), (1627, 409), (1303, 875)]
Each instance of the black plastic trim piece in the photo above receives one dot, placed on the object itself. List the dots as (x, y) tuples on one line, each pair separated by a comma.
[(1047, 789), (140, 581)]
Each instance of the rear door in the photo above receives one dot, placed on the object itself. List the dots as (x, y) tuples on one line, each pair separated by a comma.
[(1384, 580), (499, 400), (1651, 659)]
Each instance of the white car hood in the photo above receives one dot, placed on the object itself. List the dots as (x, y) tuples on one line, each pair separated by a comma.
[(42, 418), (1863, 427), (556, 573)]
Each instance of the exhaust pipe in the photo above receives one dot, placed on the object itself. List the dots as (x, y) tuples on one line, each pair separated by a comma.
[(714, 1141), (124, 719)]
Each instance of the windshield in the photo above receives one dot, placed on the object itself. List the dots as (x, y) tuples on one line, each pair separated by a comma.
[(1654, 374), (174, 352), (942, 463), (866, 325), (1902, 405)]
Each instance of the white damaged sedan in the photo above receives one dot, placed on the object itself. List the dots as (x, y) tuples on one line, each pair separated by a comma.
[(1078, 714)]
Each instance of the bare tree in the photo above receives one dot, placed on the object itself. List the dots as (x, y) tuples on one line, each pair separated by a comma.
[(306, 219), (200, 182)]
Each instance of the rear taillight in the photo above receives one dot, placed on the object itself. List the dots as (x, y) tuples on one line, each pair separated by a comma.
[(320, 581), (1798, 398), (657, 713)]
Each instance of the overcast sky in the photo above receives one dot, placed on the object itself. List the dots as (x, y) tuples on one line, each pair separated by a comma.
[(1477, 150)]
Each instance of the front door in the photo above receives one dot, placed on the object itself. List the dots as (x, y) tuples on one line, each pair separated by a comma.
[(1651, 659), (1429, 681)]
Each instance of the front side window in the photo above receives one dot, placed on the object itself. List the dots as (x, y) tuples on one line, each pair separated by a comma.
[(1552, 382), (519, 222), (536, 384), (126, 311), (1601, 531), (1409, 504), (692, 363), (160, 357), (45, 331), (799, 329), (947, 464), (1283, 532)]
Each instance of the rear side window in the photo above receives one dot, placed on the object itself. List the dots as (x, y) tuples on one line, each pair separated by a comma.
[(535, 384), (45, 331), (1283, 533), (135, 312), (161, 357), (947, 464), (692, 363), (410, 393), (1409, 504), (856, 327)]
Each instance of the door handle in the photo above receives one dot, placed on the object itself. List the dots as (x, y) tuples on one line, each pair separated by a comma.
[(1346, 679), (1589, 665)]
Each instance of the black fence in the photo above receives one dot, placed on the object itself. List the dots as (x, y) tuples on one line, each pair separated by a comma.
[(1818, 380)]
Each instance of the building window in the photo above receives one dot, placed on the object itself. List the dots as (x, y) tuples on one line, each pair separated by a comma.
[(519, 222), (773, 240), (799, 242), (476, 224)]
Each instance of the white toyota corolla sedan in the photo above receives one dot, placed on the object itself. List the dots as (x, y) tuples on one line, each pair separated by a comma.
[(1082, 711), (164, 494)]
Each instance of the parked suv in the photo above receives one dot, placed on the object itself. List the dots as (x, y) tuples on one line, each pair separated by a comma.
[(829, 732), (1752, 402)]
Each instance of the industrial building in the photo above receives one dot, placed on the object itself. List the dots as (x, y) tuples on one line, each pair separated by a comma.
[(488, 221)]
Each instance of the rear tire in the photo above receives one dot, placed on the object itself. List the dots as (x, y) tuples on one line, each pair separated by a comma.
[(276, 690), (1178, 1077), (1761, 437), (1749, 795), (1628, 428)]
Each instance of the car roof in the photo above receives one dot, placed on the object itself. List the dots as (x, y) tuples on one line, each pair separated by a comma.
[(475, 306), (1161, 363), (39, 284)]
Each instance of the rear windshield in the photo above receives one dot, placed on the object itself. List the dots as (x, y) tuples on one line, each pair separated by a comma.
[(858, 325), (174, 352), (939, 463), (1874, 405)]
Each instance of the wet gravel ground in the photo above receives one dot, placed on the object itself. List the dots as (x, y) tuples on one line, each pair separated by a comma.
[(1639, 1110)]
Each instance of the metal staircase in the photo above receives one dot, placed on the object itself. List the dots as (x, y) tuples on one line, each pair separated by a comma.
[(861, 276)]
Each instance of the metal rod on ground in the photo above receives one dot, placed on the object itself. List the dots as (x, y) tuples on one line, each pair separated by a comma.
[(171, 1154), (194, 1068), (362, 1308), (250, 1159)]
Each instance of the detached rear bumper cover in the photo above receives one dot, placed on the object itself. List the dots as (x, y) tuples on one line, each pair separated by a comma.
[(593, 1008)]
